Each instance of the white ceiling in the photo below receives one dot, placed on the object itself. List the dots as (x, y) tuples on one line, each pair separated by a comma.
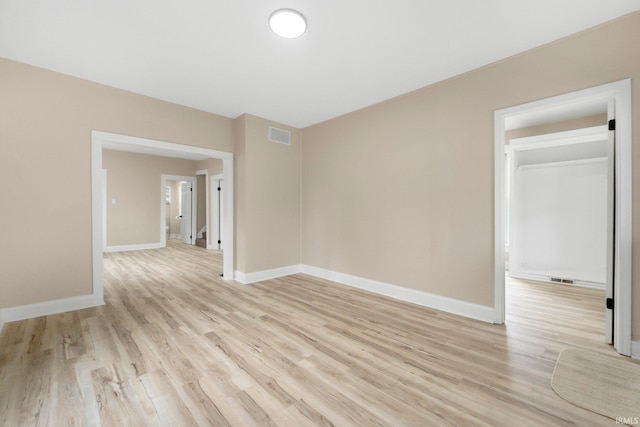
[(221, 57)]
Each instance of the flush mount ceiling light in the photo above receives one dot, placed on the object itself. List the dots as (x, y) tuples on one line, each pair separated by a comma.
[(287, 23)]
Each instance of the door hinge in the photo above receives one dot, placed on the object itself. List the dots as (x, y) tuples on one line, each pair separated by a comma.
[(609, 303), (219, 189), (191, 237), (219, 241), (612, 124)]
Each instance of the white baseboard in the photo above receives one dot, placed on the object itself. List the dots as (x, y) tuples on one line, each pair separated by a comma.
[(46, 308), (175, 236), (1, 322), (635, 349), (547, 279), (259, 276), (125, 248), (450, 305)]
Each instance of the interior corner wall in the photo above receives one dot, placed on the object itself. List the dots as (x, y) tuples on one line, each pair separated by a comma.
[(240, 194), (46, 119), (267, 194), (402, 192), (212, 166), (133, 181)]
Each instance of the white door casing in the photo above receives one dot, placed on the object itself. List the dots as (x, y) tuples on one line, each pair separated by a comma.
[(101, 140), (611, 191), (105, 203), (620, 93)]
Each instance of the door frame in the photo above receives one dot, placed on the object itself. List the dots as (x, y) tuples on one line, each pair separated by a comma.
[(163, 207), (620, 93), (101, 140)]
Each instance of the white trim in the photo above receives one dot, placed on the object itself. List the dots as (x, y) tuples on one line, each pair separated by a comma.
[(259, 276), (619, 91), (105, 202), (140, 247), (47, 308), (624, 218), (635, 349), (450, 305), (174, 236), (97, 245), (576, 136), (228, 237), (113, 141), (564, 163), (1, 321)]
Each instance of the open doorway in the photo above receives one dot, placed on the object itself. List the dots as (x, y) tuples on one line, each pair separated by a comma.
[(179, 212), (103, 140), (615, 99), (556, 235), (557, 204)]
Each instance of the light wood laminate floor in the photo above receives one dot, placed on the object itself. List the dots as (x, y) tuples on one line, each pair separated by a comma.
[(177, 346)]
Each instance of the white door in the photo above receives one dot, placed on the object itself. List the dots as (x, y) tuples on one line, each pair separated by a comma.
[(221, 213), (217, 212), (611, 191), (186, 195)]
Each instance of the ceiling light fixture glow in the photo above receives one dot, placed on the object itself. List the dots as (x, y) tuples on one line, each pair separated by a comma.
[(287, 23)]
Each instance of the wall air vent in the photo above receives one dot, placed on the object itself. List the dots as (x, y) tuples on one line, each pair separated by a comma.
[(281, 136), (559, 280)]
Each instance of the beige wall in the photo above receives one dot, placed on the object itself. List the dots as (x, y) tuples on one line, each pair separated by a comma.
[(212, 166), (240, 190), (402, 192), (134, 181), (267, 197), (46, 120)]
